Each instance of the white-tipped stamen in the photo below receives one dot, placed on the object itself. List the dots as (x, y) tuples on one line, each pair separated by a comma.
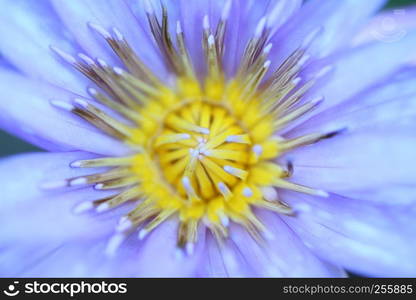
[(211, 40), (100, 30), (178, 27), (143, 233), (81, 102), (125, 225), (296, 81), (267, 49), (114, 243), (237, 139), (237, 172), (226, 10), (102, 63), (85, 58), (78, 181), (99, 186), (205, 23), (65, 56), (303, 60), (258, 150), (102, 207), (62, 105), (260, 27), (82, 207), (247, 192), (225, 221), (118, 71), (269, 193), (118, 34), (148, 7)]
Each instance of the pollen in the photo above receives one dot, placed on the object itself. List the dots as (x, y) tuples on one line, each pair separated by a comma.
[(206, 147)]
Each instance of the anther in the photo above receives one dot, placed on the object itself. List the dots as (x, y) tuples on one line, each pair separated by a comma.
[(82, 207), (258, 150), (269, 194), (114, 243), (224, 190), (205, 23), (78, 181), (85, 58), (260, 27), (102, 207), (143, 233), (100, 30), (62, 105), (226, 10), (247, 192), (65, 56)]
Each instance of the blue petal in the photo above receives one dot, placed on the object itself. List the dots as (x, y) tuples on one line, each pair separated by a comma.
[(27, 112), (39, 221), (27, 29), (339, 21), (373, 160), (369, 239), (360, 68), (112, 14), (282, 255)]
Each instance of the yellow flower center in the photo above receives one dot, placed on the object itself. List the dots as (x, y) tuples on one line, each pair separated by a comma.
[(205, 147), (202, 151)]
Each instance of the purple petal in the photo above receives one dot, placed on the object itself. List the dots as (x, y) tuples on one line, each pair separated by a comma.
[(159, 255), (386, 102), (360, 68), (27, 29), (33, 213), (41, 222), (62, 243), (283, 254), (356, 164), (112, 14), (339, 21), (223, 261), (388, 26), (153, 257), (27, 112), (368, 239)]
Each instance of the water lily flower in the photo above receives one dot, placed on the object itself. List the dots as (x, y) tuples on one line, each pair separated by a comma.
[(207, 138)]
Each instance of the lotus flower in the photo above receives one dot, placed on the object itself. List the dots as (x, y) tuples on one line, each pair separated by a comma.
[(207, 138)]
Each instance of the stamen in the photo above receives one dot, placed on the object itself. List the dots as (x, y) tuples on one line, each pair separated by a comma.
[(114, 243), (106, 204), (247, 192), (65, 56), (269, 193), (100, 30), (243, 139), (189, 189), (236, 172), (171, 138), (82, 207), (224, 190), (103, 162), (299, 188), (206, 148)]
